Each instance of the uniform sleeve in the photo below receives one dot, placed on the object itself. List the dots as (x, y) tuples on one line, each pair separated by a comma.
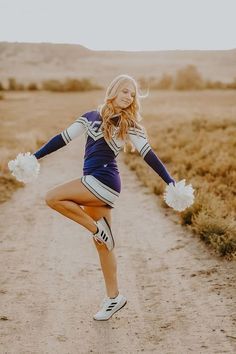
[(76, 129), (139, 138)]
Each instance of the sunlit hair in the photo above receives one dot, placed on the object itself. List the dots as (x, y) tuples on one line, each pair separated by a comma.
[(129, 117)]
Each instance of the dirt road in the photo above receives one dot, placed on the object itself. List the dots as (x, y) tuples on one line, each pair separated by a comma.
[(181, 299)]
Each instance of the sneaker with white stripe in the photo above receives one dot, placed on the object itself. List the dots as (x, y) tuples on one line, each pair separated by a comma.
[(104, 233), (110, 306)]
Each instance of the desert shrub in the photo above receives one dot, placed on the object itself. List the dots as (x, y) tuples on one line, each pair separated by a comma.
[(80, 85), (188, 78), (216, 231), (201, 151), (52, 85), (8, 185), (218, 85), (231, 85), (69, 85), (13, 85), (163, 83), (32, 86), (166, 82)]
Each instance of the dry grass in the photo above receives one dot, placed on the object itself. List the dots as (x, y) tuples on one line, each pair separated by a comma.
[(66, 85), (32, 86), (14, 85), (202, 151), (8, 185), (70, 85), (186, 78)]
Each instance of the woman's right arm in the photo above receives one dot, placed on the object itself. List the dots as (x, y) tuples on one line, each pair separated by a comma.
[(77, 128)]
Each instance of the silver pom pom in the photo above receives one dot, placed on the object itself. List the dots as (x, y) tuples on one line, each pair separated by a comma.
[(25, 167), (179, 196)]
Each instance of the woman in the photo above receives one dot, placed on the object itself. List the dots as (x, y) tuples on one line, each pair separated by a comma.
[(88, 200)]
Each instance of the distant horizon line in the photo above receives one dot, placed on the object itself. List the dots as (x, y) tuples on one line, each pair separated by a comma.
[(115, 50)]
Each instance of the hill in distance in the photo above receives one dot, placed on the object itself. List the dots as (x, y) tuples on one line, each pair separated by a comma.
[(38, 61)]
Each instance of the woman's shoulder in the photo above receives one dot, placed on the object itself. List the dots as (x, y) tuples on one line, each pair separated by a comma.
[(91, 115)]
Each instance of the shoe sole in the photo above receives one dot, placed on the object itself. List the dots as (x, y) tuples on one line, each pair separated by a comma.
[(110, 231), (106, 319)]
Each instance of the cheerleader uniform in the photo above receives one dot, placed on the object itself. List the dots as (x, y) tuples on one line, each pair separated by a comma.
[(100, 171)]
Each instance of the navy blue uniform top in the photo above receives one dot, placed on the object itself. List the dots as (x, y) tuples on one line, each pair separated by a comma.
[(100, 153)]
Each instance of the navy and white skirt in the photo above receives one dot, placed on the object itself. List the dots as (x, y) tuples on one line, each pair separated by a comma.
[(107, 190)]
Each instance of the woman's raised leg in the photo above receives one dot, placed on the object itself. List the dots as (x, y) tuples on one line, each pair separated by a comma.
[(76, 202), (67, 199)]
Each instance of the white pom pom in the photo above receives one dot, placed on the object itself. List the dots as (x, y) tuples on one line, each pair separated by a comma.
[(25, 167), (179, 196)]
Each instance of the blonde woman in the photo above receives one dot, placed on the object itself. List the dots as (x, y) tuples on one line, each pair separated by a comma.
[(89, 200)]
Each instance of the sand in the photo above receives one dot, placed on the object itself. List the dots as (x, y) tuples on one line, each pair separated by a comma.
[(181, 298)]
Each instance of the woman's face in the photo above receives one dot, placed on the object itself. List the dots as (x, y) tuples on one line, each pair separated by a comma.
[(125, 96)]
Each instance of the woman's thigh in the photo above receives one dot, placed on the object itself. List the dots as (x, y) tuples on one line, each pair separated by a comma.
[(74, 190)]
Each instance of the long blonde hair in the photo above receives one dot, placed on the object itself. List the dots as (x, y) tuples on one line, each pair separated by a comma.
[(129, 117)]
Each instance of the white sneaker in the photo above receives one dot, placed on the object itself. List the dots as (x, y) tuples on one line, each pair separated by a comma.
[(109, 306), (104, 234)]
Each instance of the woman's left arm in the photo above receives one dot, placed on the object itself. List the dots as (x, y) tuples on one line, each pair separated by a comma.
[(139, 138)]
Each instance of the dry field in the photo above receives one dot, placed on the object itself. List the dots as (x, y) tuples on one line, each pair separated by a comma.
[(192, 132), (181, 296), (195, 135)]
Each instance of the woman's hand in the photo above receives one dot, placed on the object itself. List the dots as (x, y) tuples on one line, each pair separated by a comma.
[(25, 167), (178, 196)]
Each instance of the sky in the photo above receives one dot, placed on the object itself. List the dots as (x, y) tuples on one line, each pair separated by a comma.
[(129, 25)]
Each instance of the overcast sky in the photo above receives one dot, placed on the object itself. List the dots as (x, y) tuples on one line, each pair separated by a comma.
[(122, 24)]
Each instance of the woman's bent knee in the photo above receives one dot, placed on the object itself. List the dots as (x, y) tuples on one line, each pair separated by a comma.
[(51, 200)]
